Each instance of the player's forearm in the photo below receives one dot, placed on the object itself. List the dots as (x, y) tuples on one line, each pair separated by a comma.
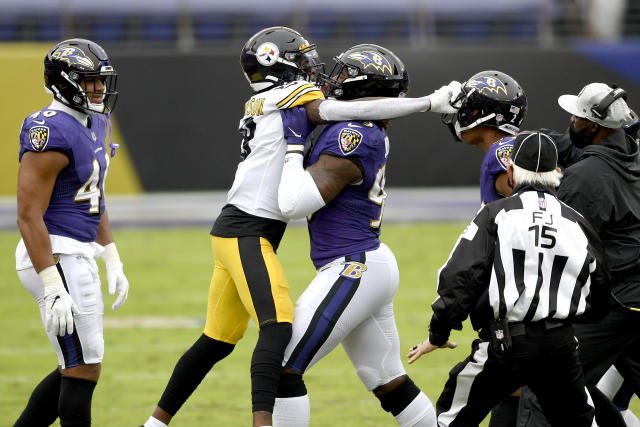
[(298, 195), (104, 236), (379, 109), (36, 240)]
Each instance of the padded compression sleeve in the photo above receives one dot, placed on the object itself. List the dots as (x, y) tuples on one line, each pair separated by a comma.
[(378, 109), (298, 194)]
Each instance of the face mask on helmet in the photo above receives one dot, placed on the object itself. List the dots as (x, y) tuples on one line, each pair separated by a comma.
[(364, 71), (79, 74)]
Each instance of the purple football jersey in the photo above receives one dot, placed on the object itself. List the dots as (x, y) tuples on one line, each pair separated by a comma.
[(77, 198), (494, 163), (350, 223)]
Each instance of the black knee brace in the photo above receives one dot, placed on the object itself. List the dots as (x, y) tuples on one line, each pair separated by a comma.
[(400, 397), (42, 408), (190, 370), (266, 364), (291, 385), (74, 405)]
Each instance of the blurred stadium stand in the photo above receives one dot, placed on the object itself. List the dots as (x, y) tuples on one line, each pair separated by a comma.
[(189, 23)]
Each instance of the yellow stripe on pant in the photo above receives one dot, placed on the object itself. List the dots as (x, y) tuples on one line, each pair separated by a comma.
[(248, 281)]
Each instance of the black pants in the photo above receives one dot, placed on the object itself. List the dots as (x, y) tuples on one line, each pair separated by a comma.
[(613, 341), (544, 359)]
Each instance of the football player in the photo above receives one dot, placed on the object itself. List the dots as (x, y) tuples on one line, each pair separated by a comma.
[(248, 279), (350, 301), (64, 225), (492, 107)]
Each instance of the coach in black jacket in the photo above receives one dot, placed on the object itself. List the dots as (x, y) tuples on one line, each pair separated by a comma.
[(604, 185), (524, 269)]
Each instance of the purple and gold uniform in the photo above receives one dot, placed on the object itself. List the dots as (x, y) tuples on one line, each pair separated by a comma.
[(77, 198), (350, 223), (495, 162)]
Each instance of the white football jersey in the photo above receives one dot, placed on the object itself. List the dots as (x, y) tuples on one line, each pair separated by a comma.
[(255, 187)]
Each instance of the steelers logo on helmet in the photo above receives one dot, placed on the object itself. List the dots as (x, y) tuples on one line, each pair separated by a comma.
[(349, 140), (488, 84), (73, 56), (267, 54), (374, 60)]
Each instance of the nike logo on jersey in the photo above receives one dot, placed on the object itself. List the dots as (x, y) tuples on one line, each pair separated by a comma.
[(40, 122), (351, 125), (97, 149), (294, 133)]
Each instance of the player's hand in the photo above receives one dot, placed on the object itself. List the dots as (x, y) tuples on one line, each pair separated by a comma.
[(442, 99), (296, 126), (424, 348), (59, 307), (116, 279)]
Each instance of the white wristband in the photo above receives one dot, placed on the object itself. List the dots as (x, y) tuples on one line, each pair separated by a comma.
[(110, 253), (298, 194), (51, 277), (377, 109), (295, 148)]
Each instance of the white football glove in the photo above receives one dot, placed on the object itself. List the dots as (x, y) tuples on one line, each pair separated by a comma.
[(442, 99), (115, 275), (59, 307)]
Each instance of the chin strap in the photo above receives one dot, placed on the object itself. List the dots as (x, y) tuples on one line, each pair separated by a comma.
[(112, 145)]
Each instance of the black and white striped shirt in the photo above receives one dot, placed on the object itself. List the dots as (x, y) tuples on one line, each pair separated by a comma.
[(526, 258)]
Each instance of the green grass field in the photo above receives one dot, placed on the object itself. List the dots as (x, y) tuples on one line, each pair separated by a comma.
[(169, 272)]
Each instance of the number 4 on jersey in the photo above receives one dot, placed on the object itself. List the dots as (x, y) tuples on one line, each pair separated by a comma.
[(90, 190)]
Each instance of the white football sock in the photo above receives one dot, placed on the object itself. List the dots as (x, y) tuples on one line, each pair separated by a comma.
[(292, 412), (152, 422), (419, 413)]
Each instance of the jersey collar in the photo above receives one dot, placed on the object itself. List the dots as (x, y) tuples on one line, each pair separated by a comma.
[(81, 117)]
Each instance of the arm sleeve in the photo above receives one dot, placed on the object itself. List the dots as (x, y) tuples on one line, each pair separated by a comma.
[(600, 276), (584, 196), (377, 109), (298, 195), (463, 278)]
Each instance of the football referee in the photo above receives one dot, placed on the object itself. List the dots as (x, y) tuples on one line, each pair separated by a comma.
[(524, 269)]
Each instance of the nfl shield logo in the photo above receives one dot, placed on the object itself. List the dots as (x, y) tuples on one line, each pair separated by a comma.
[(542, 203), (499, 334), (39, 136)]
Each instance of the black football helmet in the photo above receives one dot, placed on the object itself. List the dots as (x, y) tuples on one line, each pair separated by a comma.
[(366, 70), (277, 55), (489, 98), (69, 63)]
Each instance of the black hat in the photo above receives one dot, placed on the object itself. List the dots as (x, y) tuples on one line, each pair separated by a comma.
[(535, 152)]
